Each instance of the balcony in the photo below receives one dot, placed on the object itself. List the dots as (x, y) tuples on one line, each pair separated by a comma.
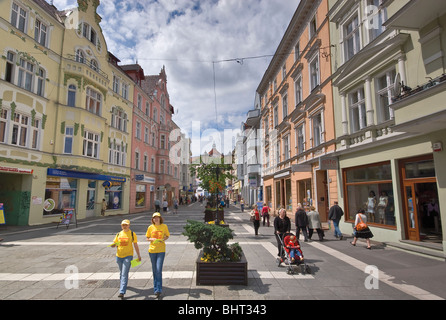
[(84, 67), (253, 118), (422, 109)]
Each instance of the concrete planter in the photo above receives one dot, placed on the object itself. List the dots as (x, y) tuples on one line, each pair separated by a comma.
[(222, 273)]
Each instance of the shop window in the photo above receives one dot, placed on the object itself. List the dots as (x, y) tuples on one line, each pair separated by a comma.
[(60, 194), (140, 196), (370, 188), (420, 169), (113, 196), (288, 195)]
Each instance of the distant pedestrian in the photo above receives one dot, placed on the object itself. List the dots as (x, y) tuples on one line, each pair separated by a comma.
[(104, 207), (282, 225), (125, 241), (157, 234), (157, 205), (335, 215), (242, 204), (265, 214), (255, 217), (165, 205), (314, 222), (175, 206), (363, 233), (301, 222)]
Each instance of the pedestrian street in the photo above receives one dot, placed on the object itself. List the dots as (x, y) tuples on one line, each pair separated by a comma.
[(76, 264)]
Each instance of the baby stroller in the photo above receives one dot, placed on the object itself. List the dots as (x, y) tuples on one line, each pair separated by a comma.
[(286, 257)]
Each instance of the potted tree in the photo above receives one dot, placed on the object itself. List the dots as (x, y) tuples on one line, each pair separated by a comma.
[(218, 263)]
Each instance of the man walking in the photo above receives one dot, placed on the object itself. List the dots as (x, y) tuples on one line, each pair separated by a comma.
[(335, 215), (301, 221)]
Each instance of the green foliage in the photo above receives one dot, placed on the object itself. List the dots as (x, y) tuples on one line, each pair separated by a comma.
[(212, 174), (213, 240)]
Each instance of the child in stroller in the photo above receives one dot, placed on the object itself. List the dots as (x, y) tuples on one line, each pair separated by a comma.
[(292, 254), (293, 249)]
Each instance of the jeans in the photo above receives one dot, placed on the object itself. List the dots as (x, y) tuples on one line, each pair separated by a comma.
[(337, 231), (157, 260), (124, 268)]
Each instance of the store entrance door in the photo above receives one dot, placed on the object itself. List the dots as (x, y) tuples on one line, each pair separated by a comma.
[(422, 211)]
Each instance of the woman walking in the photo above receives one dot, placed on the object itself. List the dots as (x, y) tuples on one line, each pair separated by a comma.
[(282, 225), (255, 217), (157, 234), (125, 241), (361, 229)]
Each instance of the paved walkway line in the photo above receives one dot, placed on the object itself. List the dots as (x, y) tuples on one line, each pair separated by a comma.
[(411, 290)]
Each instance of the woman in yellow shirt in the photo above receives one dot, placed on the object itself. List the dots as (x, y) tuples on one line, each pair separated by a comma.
[(124, 255), (157, 234)]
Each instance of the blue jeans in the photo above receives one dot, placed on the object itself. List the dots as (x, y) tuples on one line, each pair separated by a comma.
[(157, 260), (337, 231), (124, 268)]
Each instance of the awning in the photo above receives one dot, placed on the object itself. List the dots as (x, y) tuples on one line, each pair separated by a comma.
[(83, 175)]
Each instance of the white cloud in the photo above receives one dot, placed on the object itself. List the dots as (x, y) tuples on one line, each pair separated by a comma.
[(186, 36)]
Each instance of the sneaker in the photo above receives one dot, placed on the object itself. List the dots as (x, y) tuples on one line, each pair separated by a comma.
[(121, 295), (341, 237)]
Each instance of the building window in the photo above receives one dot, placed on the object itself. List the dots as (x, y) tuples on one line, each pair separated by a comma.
[(113, 196), (318, 130), (136, 160), (62, 191), (147, 109), (285, 106), (152, 165), (376, 16), (297, 52), (20, 130), (139, 102), (300, 139), (91, 145), (68, 144), (385, 85), (71, 100), (10, 63), (351, 37), (138, 130), (35, 134), (146, 163), (94, 65), (94, 101), (18, 17), (116, 81), (3, 124), (119, 119), (298, 89), (284, 72), (89, 33), (313, 27), (278, 151), (80, 56), (370, 188), (26, 75), (276, 116), (162, 141), (40, 32), (314, 72), (162, 166), (117, 154), (357, 110), (286, 148), (125, 91), (146, 135), (155, 114), (40, 82), (266, 125)]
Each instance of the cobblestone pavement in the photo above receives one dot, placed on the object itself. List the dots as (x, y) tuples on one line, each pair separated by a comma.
[(39, 263)]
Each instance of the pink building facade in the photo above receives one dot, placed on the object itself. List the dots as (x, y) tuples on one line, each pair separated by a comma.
[(153, 176)]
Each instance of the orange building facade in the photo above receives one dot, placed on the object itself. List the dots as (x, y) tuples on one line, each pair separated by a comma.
[(297, 116)]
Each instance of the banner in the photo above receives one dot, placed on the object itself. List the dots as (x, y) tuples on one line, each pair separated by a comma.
[(2, 215)]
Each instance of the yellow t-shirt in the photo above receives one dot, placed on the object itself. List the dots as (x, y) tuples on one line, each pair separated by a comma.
[(158, 232), (125, 247)]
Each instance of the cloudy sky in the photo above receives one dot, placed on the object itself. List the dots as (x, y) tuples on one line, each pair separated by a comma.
[(191, 38)]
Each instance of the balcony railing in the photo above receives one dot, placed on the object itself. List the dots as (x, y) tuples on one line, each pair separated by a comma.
[(88, 63), (407, 91)]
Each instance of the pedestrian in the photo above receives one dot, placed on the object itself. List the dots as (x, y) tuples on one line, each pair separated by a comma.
[(157, 205), (255, 218), (301, 222), (282, 225), (104, 207), (157, 234), (265, 214), (314, 222), (125, 240), (361, 229), (165, 204), (175, 206), (242, 204), (335, 215)]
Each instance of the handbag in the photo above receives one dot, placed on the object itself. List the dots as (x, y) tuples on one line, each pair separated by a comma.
[(361, 225)]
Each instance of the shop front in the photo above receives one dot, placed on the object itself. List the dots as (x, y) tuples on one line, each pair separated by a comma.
[(83, 192), (142, 193)]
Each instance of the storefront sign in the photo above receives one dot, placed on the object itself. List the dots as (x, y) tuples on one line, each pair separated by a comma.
[(328, 163), (301, 168), (16, 170), (83, 175)]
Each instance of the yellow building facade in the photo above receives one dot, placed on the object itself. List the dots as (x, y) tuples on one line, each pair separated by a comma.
[(66, 107)]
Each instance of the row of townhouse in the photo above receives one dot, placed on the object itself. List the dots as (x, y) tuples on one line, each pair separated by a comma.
[(352, 109), (75, 126)]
